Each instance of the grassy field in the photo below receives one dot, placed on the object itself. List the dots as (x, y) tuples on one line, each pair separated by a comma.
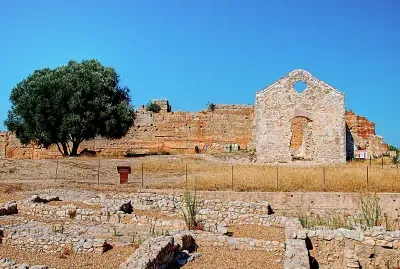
[(170, 172)]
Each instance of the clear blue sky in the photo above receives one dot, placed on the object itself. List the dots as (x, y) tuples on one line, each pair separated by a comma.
[(220, 51)]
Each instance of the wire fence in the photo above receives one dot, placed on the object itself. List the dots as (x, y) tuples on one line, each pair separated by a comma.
[(379, 176)]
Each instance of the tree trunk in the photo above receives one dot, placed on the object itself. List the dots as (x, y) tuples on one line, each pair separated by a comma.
[(65, 148), (74, 151)]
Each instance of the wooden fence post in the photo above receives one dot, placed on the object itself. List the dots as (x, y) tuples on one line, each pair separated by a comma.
[(56, 171), (98, 173), (370, 161), (367, 177), (324, 179), (232, 178), (142, 175), (186, 174), (277, 177)]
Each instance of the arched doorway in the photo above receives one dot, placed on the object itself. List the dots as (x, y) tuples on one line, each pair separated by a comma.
[(301, 141)]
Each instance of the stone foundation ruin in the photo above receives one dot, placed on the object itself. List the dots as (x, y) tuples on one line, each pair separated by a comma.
[(49, 227)]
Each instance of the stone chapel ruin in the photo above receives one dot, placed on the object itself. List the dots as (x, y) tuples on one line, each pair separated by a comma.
[(292, 126)]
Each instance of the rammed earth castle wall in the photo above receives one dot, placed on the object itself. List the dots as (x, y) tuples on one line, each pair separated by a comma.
[(280, 106)]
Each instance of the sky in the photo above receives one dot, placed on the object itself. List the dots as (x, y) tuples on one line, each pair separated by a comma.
[(219, 51)]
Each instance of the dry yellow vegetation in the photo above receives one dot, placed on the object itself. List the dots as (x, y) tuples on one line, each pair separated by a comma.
[(165, 172)]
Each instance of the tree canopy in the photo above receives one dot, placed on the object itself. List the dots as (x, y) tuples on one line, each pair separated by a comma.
[(71, 103)]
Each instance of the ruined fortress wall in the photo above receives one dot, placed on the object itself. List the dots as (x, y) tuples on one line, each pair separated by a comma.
[(3, 144), (279, 105), (173, 132), (181, 132), (10, 147), (363, 135)]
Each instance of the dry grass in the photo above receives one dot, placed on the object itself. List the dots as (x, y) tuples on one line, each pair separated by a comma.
[(11, 192), (170, 172)]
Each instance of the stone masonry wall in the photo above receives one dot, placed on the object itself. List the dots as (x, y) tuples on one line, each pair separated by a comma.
[(174, 132), (3, 144), (279, 103), (363, 135)]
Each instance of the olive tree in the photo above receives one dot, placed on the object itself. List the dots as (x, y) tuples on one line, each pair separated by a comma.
[(69, 104)]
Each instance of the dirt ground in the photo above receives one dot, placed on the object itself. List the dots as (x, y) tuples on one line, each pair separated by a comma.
[(225, 258), (258, 232), (109, 260)]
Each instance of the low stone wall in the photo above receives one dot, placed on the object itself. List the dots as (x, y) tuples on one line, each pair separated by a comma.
[(376, 236), (215, 240), (230, 211), (36, 236), (285, 203), (7, 263), (71, 212), (296, 254)]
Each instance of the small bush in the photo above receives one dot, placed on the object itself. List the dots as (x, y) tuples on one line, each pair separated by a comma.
[(58, 228), (71, 213), (211, 106), (153, 107), (65, 251), (196, 149), (396, 159)]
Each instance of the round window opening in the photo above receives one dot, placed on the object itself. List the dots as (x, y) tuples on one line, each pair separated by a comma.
[(300, 86)]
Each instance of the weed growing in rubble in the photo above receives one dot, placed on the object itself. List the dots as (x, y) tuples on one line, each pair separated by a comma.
[(71, 213), (115, 232), (334, 220), (370, 215), (153, 225), (370, 210), (65, 251), (190, 209), (58, 228)]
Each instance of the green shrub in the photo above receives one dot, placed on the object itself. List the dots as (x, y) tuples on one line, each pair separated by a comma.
[(153, 107)]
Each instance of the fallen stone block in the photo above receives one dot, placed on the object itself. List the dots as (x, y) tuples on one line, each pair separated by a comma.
[(188, 243), (45, 200), (8, 209), (126, 208)]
